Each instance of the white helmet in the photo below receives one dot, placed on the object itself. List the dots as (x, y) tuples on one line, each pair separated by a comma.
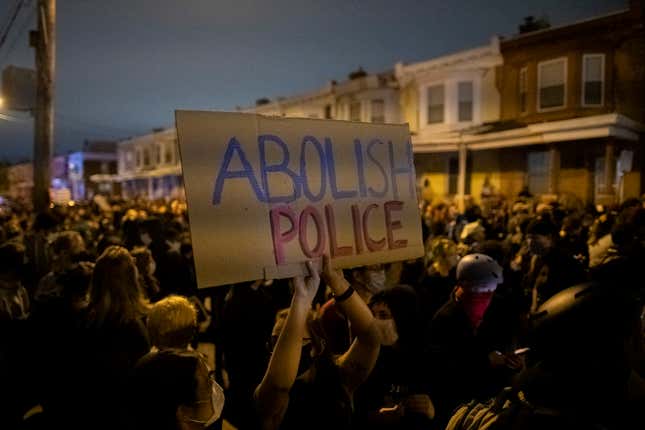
[(479, 268)]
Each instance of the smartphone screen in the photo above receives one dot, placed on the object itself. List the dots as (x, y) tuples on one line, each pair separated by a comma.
[(521, 351)]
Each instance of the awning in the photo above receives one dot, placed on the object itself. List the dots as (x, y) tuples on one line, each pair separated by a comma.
[(588, 127), (156, 173)]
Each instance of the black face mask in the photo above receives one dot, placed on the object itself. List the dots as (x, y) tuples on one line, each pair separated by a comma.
[(306, 359)]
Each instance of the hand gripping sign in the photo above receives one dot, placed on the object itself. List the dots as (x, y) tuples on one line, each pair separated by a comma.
[(265, 194)]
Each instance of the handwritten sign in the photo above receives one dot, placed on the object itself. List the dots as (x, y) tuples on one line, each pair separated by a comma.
[(266, 194)]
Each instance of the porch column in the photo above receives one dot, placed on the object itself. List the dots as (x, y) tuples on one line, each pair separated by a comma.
[(554, 170), (461, 178), (610, 169)]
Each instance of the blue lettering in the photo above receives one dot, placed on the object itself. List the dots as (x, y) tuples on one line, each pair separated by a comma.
[(281, 167), (331, 168), (303, 169), (358, 151), (372, 191), (246, 172)]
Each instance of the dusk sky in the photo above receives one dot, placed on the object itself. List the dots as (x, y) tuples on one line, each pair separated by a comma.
[(124, 66)]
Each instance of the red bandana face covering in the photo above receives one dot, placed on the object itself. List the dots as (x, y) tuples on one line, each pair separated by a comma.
[(475, 304)]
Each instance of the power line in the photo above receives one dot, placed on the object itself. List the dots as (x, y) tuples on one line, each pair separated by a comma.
[(7, 29), (12, 11), (92, 125), (70, 124), (19, 33), (11, 118)]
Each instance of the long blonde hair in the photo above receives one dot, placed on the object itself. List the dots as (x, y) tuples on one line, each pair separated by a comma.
[(115, 293)]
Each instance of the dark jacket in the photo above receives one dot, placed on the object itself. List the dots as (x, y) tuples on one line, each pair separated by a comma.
[(460, 366)]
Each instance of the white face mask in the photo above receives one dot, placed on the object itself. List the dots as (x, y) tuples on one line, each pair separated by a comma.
[(217, 401), (217, 404), (375, 280), (387, 331)]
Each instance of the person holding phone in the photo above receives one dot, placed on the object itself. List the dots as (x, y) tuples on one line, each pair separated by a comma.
[(464, 362)]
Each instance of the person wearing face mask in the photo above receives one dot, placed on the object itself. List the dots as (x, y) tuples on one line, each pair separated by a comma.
[(305, 385), (174, 389), (366, 281), (551, 268), (397, 393), (465, 364)]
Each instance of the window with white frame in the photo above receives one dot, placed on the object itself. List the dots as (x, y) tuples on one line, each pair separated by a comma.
[(593, 72), (378, 111), (157, 153), (538, 172), (138, 156), (146, 157), (129, 160), (465, 95), (168, 153), (552, 77), (355, 111), (435, 104), (327, 111), (523, 90)]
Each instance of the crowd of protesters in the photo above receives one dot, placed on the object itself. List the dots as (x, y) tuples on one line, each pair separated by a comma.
[(101, 320)]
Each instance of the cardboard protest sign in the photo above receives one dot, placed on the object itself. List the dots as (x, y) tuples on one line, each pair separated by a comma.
[(266, 194)]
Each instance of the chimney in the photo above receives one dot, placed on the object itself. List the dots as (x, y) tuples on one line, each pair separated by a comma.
[(357, 74), (531, 24)]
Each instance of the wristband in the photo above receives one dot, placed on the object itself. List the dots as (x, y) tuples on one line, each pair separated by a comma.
[(346, 295)]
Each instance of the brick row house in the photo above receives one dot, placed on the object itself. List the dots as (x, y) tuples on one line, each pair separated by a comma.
[(573, 109), (557, 110)]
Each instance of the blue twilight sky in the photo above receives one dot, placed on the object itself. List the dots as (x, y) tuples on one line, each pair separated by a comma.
[(124, 66)]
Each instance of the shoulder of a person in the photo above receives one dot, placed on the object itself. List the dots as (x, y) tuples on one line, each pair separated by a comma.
[(448, 310)]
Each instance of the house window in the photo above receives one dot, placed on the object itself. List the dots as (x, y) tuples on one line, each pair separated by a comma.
[(146, 157), (593, 72), (378, 111), (129, 159), (157, 150), (138, 158), (465, 93), (168, 151), (538, 172), (355, 111), (327, 111), (435, 104), (552, 76), (523, 89)]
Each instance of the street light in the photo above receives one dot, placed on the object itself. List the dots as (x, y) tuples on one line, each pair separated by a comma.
[(1, 102)]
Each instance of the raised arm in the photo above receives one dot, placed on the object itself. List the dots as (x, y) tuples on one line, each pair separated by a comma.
[(357, 363), (272, 395)]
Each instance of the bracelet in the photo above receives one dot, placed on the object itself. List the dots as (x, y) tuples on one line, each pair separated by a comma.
[(346, 295)]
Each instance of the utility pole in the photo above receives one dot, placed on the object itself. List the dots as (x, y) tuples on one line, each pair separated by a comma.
[(44, 42)]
